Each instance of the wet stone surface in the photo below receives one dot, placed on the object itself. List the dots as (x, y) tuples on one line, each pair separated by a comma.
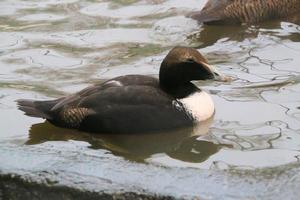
[(250, 150)]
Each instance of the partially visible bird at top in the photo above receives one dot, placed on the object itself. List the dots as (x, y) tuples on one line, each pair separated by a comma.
[(219, 12)]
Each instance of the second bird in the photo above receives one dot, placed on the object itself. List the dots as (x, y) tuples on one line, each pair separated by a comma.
[(247, 11)]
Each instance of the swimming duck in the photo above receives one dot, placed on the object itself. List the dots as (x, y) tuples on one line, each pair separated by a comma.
[(136, 103), (246, 11)]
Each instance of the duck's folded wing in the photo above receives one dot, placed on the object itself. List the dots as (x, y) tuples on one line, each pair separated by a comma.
[(132, 109), (124, 109), (97, 89)]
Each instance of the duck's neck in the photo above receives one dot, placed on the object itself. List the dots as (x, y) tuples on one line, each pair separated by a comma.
[(180, 90), (171, 79)]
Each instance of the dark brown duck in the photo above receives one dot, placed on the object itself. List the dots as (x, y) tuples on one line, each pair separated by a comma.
[(136, 103), (246, 11)]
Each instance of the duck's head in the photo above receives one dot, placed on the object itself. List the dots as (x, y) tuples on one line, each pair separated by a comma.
[(183, 65), (214, 12)]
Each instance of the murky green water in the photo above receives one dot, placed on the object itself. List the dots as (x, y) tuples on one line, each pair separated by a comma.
[(54, 47)]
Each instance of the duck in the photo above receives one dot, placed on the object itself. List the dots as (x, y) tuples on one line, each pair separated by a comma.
[(136, 103), (219, 12)]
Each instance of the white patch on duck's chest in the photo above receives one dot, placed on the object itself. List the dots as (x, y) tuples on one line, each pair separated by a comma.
[(199, 104)]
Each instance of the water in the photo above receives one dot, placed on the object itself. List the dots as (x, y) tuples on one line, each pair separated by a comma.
[(56, 47)]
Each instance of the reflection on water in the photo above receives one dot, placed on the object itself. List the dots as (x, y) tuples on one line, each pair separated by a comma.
[(180, 144), (209, 34)]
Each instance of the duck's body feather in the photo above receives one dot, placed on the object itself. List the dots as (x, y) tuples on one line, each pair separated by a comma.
[(127, 104), (136, 103), (247, 11)]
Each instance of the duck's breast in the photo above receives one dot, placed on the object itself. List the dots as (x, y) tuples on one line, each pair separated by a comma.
[(199, 105)]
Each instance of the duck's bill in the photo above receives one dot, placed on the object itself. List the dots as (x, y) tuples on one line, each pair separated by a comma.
[(217, 76), (222, 77), (204, 17)]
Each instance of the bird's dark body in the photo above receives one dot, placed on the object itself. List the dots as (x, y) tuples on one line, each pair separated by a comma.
[(136, 103), (247, 11), (114, 106)]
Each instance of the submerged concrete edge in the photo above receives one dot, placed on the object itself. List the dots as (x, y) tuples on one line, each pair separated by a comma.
[(14, 187)]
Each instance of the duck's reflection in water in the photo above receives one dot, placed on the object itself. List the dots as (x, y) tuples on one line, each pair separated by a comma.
[(180, 144), (208, 35)]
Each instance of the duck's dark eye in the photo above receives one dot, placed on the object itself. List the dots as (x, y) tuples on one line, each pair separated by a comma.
[(216, 74), (190, 60)]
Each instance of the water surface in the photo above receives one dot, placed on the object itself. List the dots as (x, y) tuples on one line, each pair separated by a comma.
[(56, 47)]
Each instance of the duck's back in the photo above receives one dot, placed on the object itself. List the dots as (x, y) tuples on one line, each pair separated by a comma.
[(252, 11), (246, 11), (127, 104)]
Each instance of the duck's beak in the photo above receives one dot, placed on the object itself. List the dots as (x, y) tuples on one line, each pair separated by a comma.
[(205, 17), (217, 76), (221, 77)]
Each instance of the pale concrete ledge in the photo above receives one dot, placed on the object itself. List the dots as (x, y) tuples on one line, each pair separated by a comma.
[(13, 187), (70, 170)]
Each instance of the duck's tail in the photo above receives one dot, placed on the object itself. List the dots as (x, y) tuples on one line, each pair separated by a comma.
[(39, 109)]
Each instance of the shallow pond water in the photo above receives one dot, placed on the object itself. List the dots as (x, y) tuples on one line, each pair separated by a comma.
[(55, 47)]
